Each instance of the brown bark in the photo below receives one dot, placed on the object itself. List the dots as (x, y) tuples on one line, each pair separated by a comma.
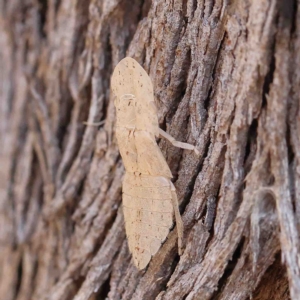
[(226, 78)]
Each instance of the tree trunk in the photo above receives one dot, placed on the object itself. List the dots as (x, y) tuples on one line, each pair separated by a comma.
[(226, 79)]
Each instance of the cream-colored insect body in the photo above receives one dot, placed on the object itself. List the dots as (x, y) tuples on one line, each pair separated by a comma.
[(149, 196)]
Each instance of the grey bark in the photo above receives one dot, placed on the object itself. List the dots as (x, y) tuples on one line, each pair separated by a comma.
[(226, 78)]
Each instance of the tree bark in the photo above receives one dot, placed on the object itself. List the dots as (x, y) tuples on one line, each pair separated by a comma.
[(226, 79)]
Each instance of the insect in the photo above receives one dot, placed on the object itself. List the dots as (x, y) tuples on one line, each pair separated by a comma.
[(149, 196)]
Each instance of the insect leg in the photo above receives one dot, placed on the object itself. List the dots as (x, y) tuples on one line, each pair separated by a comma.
[(94, 124), (177, 143), (178, 219)]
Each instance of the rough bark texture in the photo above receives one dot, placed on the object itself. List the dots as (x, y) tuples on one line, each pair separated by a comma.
[(226, 78)]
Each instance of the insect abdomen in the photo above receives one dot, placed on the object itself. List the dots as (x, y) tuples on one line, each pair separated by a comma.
[(148, 212)]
